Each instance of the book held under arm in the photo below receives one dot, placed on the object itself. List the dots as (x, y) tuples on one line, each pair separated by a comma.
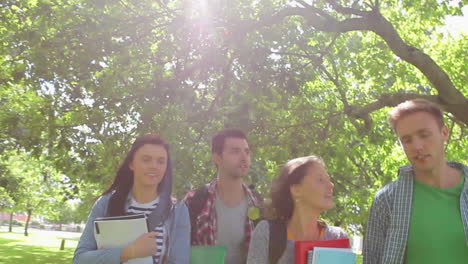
[(120, 231)]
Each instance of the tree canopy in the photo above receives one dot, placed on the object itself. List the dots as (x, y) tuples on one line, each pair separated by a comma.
[(80, 79)]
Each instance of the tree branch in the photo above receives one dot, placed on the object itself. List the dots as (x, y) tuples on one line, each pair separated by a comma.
[(394, 99), (345, 10), (448, 96)]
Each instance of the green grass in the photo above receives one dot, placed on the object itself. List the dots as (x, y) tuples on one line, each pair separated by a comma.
[(42, 247), (39, 247)]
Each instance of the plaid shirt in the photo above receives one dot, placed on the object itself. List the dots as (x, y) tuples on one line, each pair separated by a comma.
[(389, 218), (206, 225)]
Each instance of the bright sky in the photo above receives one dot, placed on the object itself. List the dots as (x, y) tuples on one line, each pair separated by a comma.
[(457, 24)]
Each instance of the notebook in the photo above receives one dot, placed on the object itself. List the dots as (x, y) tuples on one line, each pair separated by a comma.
[(301, 248), (326, 255), (208, 254), (120, 231)]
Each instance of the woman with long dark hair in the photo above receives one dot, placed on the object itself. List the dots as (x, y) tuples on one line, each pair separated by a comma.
[(301, 192), (143, 184)]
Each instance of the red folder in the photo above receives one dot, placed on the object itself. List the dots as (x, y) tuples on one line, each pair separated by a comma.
[(302, 247)]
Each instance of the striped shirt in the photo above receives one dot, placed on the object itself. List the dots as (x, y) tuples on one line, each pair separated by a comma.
[(135, 207)]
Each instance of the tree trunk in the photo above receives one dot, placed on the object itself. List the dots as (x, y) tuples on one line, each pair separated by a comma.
[(10, 227), (27, 222)]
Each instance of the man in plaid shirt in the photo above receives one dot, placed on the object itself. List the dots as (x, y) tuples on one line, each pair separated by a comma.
[(422, 217), (222, 218)]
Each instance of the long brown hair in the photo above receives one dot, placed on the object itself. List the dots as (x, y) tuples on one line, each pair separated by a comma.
[(123, 180), (281, 204)]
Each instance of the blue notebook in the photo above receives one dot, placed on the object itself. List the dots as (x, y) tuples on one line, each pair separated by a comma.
[(324, 255)]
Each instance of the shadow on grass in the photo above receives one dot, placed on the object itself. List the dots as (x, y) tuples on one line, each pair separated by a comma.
[(13, 252)]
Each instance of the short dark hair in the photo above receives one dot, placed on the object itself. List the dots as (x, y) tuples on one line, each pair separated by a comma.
[(217, 141), (414, 106)]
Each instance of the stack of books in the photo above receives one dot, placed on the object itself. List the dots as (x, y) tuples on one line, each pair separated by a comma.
[(335, 251)]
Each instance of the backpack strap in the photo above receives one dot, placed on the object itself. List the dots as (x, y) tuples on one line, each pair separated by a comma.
[(256, 194), (277, 241), (195, 206)]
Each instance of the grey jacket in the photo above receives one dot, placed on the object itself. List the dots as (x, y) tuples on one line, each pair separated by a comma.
[(177, 224), (259, 245)]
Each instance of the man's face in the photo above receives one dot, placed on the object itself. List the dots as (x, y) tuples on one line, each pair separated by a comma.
[(234, 161), (422, 140)]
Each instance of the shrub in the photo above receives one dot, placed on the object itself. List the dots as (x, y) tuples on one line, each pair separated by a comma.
[(17, 223)]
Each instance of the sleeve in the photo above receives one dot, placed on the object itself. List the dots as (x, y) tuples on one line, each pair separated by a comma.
[(340, 233), (334, 232), (180, 237), (258, 248), (86, 252), (376, 233)]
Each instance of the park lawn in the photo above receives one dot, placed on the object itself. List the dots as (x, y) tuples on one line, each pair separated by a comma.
[(38, 247), (42, 247)]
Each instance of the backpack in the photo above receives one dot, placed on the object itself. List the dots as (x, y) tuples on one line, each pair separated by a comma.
[(277, 241), (196, 204)]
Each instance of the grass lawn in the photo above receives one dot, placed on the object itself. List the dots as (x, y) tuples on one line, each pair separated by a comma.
[(39, 247)]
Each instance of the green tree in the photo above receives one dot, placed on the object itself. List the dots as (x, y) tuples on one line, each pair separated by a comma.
[(9, 189), (40, 186), (6, 202), (81, 79)]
